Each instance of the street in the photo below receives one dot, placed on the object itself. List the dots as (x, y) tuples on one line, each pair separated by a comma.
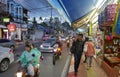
[(46, 67)]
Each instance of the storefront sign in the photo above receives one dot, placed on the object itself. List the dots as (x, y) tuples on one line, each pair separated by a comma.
[(12, 27), (6, 19)]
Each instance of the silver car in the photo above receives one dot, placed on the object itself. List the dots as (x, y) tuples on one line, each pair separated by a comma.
[(6, 58), (47, 46), (7, 43)]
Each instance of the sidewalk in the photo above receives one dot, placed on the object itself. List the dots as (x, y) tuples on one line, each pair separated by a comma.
[(94, 71)]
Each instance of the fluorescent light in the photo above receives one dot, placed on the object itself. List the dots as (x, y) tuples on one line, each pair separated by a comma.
[(95, 19), (100, 2), (81, 30), (115, 1)]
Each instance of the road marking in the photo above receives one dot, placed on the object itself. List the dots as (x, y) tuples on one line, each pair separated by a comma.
[(66, 67)]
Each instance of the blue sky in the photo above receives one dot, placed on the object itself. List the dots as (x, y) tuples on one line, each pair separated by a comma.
[(41, 8)]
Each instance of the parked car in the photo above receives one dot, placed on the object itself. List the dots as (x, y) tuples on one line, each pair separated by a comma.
[(7, 43), (47, 46), (6, 58)]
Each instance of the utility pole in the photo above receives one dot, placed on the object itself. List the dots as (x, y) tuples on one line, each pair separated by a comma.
[(51, 12)]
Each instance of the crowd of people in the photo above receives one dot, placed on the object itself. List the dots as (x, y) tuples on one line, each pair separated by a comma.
[(79, 46)]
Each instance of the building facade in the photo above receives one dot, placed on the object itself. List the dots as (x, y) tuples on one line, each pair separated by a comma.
[(3, 13), (18, 13)]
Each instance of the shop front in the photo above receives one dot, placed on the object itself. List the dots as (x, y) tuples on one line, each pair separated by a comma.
[(108, 21), (4, 32)]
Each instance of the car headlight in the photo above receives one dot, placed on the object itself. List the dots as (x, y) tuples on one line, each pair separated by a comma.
[(41, 46), (19, 74)]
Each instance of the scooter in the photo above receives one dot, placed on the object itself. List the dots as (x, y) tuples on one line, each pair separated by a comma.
[(57, 53), (23, 71)]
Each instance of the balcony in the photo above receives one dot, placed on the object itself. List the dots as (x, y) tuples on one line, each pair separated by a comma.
[(3, 1), (2, 7)]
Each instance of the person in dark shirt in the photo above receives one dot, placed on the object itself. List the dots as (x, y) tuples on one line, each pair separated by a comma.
[(77, 50)]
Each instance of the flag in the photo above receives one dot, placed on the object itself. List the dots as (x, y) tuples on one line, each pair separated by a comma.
[(116, 26)]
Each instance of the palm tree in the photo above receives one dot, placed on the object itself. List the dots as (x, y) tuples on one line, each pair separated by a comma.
[(41, 18)]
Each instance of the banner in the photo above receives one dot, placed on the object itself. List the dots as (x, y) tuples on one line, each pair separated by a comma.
[(117, 28), (12, 27), (116, 22)]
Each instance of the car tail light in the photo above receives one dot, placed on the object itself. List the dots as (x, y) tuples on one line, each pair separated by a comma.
[(41, 58), (11, 51)]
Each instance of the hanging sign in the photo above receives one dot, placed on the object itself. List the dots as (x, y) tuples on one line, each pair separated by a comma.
[(12, 27), (6, 19)]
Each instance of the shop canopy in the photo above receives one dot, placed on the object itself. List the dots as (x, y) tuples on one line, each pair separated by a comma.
[(76, 9)]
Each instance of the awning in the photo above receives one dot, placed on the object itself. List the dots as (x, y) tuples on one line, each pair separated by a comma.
[(76, 9), (2, 26)]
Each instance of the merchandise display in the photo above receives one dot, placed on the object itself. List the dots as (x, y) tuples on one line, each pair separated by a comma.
[(111, 47)]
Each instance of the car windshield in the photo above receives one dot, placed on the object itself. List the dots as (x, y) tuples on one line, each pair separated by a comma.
[(4, 40), (49, 40)]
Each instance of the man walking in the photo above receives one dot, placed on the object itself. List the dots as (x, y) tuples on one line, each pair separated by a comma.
[(77, 49)]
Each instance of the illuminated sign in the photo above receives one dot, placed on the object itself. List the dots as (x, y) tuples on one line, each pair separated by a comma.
[(12, 27), (6, 19)]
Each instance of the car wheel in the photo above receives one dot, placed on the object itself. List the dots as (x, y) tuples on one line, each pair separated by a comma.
[(4, 65)]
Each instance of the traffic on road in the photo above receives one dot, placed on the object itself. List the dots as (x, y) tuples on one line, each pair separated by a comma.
[(49, 64)]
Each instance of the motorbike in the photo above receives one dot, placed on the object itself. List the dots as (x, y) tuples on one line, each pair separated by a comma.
[(57, 53), (68, 43), (23, 71)]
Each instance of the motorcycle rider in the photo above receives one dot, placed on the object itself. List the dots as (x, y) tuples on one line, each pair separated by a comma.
[(59, 43), (31, 55)]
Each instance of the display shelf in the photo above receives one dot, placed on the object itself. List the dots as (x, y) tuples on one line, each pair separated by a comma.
[(111, 72)]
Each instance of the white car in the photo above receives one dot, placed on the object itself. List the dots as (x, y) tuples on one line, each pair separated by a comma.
[(47, 46), (6, 58)]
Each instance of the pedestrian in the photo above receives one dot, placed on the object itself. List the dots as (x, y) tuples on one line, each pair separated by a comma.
[(90, 52), (86, 40), (68, 42), (77, 49)]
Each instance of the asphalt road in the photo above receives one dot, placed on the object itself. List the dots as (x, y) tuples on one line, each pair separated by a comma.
[(47, 69)]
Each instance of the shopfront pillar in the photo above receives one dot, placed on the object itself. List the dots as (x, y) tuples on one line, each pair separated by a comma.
[(90, 29)]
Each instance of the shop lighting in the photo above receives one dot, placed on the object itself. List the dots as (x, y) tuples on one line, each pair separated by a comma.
[(115, 1), (81, 30), (95, 19), (100, 3)]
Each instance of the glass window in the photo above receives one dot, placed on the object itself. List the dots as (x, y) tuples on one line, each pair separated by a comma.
[(4, 40)]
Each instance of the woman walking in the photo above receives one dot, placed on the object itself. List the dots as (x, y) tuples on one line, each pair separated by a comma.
[(90, 52)]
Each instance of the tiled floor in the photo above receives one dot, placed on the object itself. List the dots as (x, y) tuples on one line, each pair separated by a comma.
[(94, 71)]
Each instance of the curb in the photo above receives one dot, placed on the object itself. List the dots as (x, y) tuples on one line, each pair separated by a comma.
[(66, 67)]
